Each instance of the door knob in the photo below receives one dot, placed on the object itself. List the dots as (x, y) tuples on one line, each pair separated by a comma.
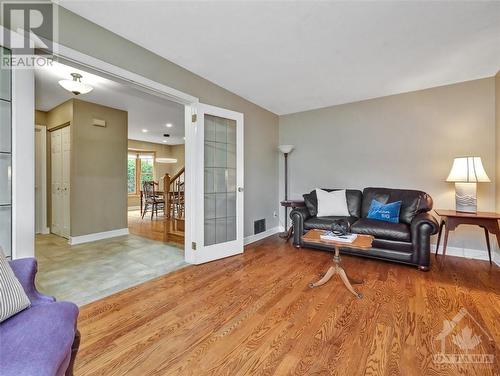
[(240, 189)]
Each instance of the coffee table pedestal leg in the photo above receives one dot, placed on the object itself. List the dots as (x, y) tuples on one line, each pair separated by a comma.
[(338, 269)]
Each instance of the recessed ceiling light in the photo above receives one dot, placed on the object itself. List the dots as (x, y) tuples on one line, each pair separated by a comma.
[(169, 125), (183, 138), (165, 141), (144, 131)]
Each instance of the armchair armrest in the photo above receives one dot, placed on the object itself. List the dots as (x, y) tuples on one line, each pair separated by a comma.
[(422, 227), (25, 271), (298, 216)]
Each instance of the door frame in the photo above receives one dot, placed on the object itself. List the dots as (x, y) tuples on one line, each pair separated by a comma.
[(69, 55), (43, 151)]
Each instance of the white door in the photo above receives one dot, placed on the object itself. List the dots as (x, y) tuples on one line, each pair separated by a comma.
[(218, 189), (60, 190), (65, 187), (40, 181), (56, 181)]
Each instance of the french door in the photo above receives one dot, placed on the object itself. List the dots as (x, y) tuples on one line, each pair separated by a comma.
[(218, 189)]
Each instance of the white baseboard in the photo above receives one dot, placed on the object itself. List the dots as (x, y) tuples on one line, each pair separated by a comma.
[(253, 238), (476, 254), (73, 240)]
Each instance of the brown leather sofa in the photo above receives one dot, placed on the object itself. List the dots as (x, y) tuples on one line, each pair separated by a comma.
[(406, 242)]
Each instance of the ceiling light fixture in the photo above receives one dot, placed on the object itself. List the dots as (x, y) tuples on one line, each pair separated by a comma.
[(144, 131), (169, 125), (75, 85)]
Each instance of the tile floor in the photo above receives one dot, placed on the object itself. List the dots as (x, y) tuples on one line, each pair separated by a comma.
[(87, 272)]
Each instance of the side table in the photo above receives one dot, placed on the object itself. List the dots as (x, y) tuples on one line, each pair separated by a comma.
[(451, 219), (290, 204)]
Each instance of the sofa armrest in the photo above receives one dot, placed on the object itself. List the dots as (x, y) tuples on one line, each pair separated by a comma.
[(423, 226), (298, 216), (25, 270)]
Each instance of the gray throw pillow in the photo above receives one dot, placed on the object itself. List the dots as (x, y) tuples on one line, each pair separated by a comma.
[(13, 299)]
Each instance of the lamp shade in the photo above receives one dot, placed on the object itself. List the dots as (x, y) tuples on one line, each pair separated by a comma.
[(285, 149), (468, 170)]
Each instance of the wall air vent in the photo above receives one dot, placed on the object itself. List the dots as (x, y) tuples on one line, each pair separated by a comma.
[(259, 226)]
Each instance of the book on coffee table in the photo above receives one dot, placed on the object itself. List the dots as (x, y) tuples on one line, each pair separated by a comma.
[(348, 238)]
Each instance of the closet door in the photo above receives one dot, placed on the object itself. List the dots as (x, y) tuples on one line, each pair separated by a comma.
[(56, 181), (65, 187)]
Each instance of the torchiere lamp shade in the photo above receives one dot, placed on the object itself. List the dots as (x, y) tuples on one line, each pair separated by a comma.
[(285, 149), (466, 172)]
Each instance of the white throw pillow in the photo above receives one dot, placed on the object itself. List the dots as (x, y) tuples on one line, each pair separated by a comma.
[(332, 204), (13, 299)]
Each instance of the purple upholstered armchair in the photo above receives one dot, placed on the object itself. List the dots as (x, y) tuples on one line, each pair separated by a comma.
[(42, 340)]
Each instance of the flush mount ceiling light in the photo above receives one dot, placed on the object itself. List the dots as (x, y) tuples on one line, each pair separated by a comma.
[(75, 85), (168, 125), (144, 131), (166, 160)]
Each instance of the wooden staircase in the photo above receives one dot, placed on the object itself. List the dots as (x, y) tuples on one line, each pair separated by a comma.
[(174, 207)]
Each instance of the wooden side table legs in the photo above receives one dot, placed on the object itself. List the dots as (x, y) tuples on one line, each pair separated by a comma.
[(489, 227), (338, 269)]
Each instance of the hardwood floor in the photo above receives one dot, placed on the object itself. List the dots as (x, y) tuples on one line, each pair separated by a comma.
[(253, 314), (151, 228)]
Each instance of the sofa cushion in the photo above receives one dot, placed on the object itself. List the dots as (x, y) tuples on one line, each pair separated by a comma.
[(332, 203), (382, 230), (38, 340), (324, 223), (385, 212), (353, 197), (13, 298), (412, 202)]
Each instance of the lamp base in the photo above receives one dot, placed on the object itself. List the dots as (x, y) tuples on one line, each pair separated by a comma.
[(466, 197)]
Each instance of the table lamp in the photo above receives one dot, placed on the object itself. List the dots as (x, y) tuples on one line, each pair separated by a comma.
[(466, 172)]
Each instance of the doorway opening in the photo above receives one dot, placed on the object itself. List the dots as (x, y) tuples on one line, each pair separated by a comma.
[(99, 227)]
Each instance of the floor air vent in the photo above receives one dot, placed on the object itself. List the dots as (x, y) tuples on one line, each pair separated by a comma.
[(259, 226)]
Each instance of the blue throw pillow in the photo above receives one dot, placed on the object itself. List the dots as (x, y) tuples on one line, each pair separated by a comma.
[(384, 212)]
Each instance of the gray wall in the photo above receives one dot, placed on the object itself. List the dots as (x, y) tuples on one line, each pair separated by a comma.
[(497, 112), (400, 141), (261, 126)]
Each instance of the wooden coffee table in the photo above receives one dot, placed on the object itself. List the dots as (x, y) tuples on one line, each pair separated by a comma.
[(361, 242)]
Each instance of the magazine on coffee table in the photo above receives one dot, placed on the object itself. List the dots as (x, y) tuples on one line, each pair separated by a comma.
[(348, 238)]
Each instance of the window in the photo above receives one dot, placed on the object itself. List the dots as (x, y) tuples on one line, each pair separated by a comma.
[(140, 168)]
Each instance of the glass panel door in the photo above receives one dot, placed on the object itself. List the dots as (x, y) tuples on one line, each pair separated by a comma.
[(219, 211), (220, 180), (5, 159)]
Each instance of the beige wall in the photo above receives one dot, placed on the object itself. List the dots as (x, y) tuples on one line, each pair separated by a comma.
[(98, 169), (40, 117), (400, 141), (60, 115), (160, 169), (177, 153), (261, 126)]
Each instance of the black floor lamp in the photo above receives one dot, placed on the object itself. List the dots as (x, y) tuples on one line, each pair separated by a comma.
[(286, 149)]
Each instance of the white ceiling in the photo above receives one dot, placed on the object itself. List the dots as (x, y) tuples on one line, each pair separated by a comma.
[(295, 56), (145, 111)]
